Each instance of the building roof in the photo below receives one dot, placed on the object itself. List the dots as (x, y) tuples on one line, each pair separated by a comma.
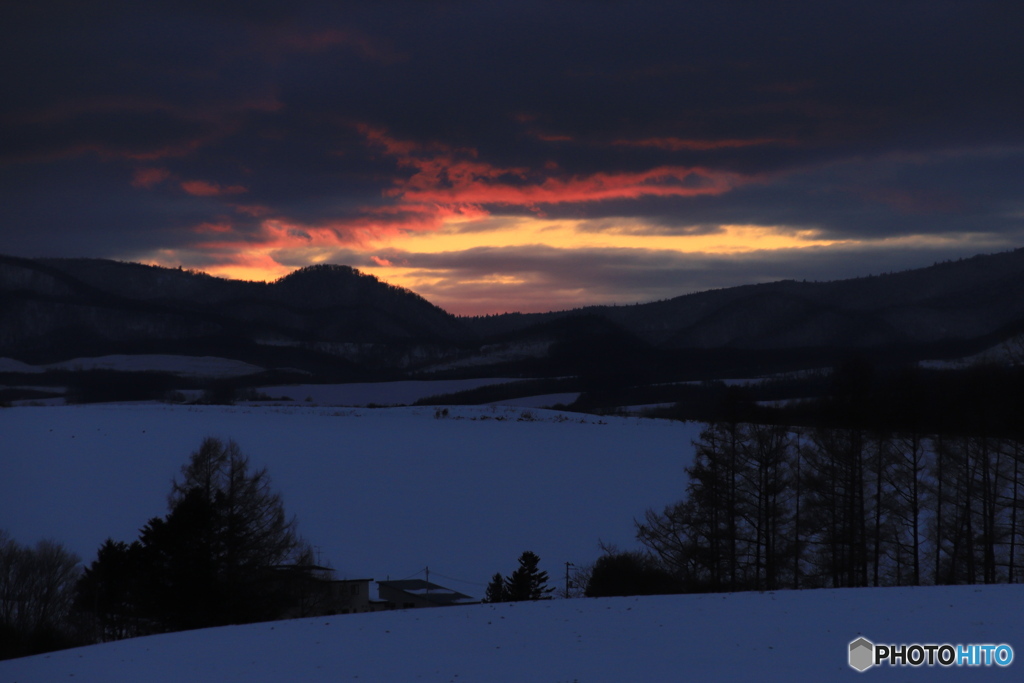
[(426, 590)]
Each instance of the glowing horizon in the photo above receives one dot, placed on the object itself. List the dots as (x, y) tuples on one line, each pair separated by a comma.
[(647, 152), (397, 257)]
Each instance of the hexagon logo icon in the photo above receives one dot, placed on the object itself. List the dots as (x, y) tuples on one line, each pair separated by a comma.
[(862, 654)]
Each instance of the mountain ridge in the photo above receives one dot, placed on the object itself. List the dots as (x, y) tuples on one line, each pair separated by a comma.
[(962, 299), (55, 309)]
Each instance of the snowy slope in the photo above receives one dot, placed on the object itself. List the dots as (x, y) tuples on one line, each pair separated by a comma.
[(787, 636), (382, 493)]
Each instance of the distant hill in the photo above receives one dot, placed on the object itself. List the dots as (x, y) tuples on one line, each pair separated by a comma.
[(53, 309), (980, 298), (339, 323)]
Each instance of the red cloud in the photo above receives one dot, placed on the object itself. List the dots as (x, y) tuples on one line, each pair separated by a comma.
[(148, 177), (553, 137), (445, 184), (290, 40), (254, 210), (680, 144), (201, 188), (443, 176), (213, 228), (469, 183)]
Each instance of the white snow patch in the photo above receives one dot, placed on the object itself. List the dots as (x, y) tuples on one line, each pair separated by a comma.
[(11, 365), (995, 355), (192, 366), (492, 354), (639, 408), (541, 401), (377, 393)]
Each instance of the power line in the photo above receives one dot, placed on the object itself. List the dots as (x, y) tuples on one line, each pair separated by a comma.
[(452, 578), (429, 571)]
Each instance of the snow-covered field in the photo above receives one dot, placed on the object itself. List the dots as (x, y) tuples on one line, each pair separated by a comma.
[(386, 492), (786, 636), (383, 493)]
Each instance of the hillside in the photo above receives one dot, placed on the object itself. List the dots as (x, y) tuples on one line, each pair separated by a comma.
[(341, 325), (55, 309), (783, 636), (969, 299)]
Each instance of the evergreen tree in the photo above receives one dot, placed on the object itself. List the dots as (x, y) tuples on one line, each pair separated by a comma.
[(109, 590), (527, 582), (496, 589)]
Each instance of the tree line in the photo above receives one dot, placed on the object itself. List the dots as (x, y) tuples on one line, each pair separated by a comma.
[(225, 553), (769, 506), (220, 555)]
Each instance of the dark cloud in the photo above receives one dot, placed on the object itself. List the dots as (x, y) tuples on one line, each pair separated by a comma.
[(575, 277), (859, 119)]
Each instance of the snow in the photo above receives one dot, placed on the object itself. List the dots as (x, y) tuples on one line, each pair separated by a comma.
[(190, 366), (383, 493), (637, 409), (781, 636), (1000, 354), (541, 401), (11, 365), (494, 354), (390, 491), (376, 393)]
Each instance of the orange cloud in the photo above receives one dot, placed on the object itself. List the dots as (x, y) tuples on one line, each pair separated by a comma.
[(201, 188)]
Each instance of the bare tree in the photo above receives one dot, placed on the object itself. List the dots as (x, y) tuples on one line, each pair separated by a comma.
[(252, 528), (36, 595)]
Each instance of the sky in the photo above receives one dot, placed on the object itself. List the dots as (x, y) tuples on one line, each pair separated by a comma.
[(514, 156)]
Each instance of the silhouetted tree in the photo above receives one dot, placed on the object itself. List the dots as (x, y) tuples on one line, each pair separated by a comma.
[(496, 589), (109, 591), (527, 582), (36, 594), (214, 559), (630, 573)]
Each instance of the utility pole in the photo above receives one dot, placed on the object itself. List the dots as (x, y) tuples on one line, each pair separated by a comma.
[(567, 565)]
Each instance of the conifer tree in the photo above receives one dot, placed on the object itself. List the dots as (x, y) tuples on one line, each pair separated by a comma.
[(496, 589), (527, 582)]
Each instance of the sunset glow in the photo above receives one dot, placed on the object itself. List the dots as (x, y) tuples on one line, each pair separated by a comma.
[(510, 156)]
